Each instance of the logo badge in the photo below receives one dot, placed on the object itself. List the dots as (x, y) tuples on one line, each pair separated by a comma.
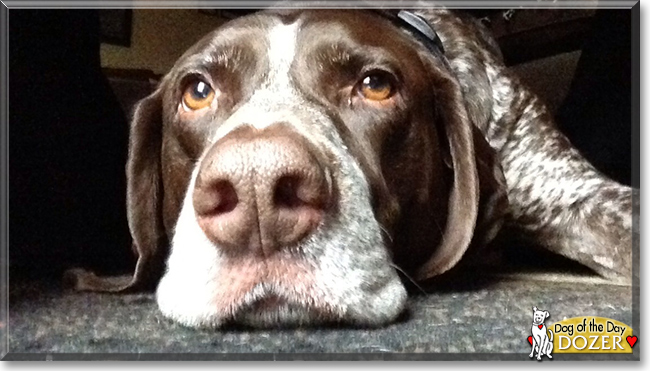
[(593, 335), (585, 334)]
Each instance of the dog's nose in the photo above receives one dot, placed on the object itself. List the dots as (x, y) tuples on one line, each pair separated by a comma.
[(259, 191)]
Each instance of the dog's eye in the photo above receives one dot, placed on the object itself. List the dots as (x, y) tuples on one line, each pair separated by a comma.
[(376, 87), (197, 95)]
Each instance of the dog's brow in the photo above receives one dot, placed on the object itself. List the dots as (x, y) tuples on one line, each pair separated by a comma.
[(226, 56), (344, 54)]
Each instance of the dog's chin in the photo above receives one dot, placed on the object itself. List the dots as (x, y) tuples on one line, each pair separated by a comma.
[(273, 306), (264, 309), (274, 311)]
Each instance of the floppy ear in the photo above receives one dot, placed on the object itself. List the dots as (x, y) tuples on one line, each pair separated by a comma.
[(477, 198), (493, 202), (144, 205)]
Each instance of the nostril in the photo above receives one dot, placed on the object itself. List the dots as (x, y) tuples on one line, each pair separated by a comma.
[(286, 192), (296, 190), (225, 197), (215, 198)]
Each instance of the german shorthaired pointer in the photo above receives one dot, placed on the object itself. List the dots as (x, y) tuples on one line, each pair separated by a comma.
[(291, 162)]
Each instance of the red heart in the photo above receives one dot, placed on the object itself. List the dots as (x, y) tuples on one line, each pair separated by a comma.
[(540, 326), (631, 340), (530, 340)]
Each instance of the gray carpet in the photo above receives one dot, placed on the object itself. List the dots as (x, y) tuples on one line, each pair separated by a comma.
[(482, 321)]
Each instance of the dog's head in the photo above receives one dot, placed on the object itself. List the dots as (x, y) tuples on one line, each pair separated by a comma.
[(539, 316), (293, 162)]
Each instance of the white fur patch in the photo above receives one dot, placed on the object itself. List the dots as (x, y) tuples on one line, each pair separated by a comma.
[(281, 53), (184, 292), (268, 103)]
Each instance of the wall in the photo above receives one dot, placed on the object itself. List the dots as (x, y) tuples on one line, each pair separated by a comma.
[(158, 38)]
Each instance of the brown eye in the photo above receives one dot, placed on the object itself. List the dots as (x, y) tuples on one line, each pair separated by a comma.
[(376, 87), (197, 95)]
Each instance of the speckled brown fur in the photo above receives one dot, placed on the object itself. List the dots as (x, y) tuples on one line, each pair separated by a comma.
[(555, 195)]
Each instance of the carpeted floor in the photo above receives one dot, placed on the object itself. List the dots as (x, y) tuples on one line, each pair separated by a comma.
[(484, 321)]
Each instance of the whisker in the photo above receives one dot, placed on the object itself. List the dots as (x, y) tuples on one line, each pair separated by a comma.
[(386, 232), (409, 277), (442, 233)]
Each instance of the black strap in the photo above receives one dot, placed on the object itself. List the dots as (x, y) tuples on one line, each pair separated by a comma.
[(418, 27)]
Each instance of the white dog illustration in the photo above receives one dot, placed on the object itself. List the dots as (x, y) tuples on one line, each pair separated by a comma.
[(542, 342)]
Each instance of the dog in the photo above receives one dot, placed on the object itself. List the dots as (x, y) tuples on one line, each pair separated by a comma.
[(542, 342), (292, 162)]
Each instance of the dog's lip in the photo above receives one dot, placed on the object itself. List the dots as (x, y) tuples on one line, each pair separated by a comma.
[(271, 301), (273, 305), (268, 302)]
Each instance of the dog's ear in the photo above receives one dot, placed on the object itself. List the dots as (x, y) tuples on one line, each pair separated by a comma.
[(534, 309), (144, 199), (547, 314), (477, 198), (493, 202)]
